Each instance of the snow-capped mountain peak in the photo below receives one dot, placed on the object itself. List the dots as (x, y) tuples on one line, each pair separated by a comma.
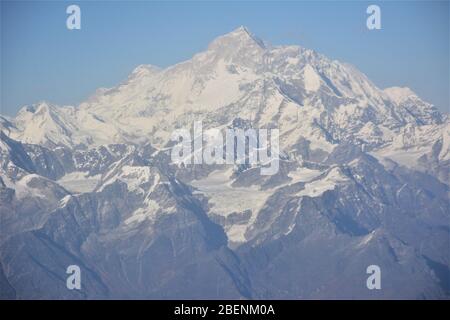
[(240, 37), (238, 76)]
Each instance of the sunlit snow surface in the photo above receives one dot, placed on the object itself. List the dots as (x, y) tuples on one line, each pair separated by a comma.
[(225, 199), (79, 182)]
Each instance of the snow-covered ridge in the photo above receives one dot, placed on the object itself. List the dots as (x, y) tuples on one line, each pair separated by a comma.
[(301, 92)]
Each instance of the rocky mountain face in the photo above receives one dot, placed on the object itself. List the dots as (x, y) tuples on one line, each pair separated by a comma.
[(363, 180)]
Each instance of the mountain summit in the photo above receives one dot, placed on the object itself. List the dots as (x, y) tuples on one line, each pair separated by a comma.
[(241, 37)]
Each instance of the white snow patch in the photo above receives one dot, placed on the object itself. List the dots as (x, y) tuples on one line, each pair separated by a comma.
[(399, 94), (141, 214), (64, 201), (303, 174), (79, 182), (226, 199), (311, 78), (318, 187), (236, 233)]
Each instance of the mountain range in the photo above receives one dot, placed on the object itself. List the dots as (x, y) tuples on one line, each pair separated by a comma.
[(363, 180)]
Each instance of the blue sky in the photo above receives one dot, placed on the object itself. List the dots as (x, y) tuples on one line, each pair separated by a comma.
[(42, 60)]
